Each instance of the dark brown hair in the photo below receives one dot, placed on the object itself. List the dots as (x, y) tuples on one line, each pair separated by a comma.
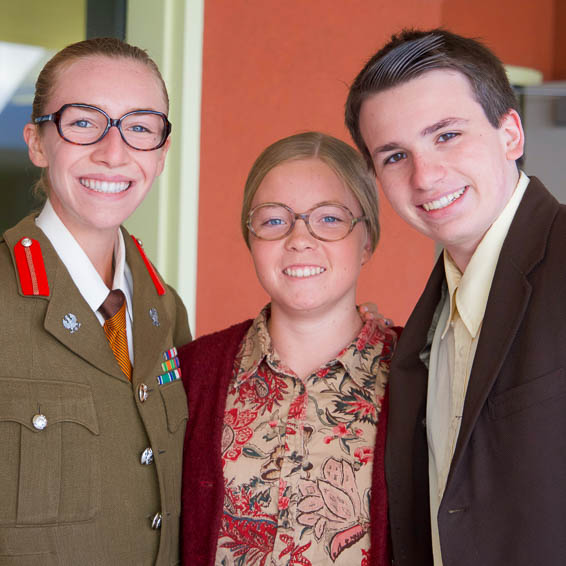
[(414, 52)]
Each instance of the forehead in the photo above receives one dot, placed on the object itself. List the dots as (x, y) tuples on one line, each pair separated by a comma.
[(419, 103), (117, 85), (303, 183)]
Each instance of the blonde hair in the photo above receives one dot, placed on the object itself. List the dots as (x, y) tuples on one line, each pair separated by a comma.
[(344, 160), (46, 83)]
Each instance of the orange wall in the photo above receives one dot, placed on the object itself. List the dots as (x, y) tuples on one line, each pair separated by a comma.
[(521, 32), (273, 68)]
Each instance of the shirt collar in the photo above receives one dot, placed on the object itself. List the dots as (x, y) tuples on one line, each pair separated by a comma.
[(258, 347), (80, 268), (468, 292)]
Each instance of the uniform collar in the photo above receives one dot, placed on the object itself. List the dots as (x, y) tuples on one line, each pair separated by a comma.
[(80, 268), (468, 292)]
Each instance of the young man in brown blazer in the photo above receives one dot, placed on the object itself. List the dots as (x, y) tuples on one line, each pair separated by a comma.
[(476, 454)]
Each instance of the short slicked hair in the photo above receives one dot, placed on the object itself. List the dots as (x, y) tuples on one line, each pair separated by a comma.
[(414, 52)]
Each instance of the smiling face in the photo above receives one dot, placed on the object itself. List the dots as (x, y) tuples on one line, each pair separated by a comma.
[(299, 272), (96, 187), (445, 169)]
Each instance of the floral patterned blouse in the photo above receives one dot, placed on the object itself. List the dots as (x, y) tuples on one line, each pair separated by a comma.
[(297, 454)]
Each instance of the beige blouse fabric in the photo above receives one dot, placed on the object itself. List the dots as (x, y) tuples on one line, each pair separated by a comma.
[(297, 454)]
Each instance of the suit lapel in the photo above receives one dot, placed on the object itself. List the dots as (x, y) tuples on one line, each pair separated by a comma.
[(508, 300), (152, 324)]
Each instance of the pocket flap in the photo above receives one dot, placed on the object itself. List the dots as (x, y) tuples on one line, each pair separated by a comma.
[(175, 401), (526, 395), (59, 401)]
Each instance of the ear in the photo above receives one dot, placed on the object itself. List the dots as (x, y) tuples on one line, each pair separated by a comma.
[(366, 252), (513, 135), (162, 157), (36, 152)]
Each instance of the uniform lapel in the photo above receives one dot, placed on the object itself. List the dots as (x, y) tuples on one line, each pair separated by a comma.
[(152, 324), (508, 300), (87, 340), (68, 318)]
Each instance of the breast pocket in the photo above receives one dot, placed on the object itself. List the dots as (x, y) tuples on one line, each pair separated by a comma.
[(534, 393), (49, 464)]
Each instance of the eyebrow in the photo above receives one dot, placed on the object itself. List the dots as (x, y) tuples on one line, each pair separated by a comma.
[(445, 122)]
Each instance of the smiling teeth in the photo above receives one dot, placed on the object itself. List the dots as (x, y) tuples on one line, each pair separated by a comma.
[(304, 271), (105, 186), (444, 201)]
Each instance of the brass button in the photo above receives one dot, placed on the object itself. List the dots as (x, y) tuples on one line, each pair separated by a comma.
[(39, 421), (143, 393), (147, 457), (156, 522)]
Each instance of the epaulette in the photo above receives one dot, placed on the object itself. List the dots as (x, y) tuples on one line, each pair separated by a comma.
[(152, 273), (31, 269)]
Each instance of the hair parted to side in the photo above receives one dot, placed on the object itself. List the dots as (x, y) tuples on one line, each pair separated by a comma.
[(343, 159), (110, 47), (414, 52)]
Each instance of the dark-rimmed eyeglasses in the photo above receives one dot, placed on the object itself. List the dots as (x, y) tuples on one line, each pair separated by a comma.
[(83, 124), (328, 221)]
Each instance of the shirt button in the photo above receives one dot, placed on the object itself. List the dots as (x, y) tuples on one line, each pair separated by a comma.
[(156, 522), (26, 242), (147, 457), (142, 392), (39, 421)]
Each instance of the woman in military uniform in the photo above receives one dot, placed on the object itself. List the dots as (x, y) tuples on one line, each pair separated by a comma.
[(92, 411)]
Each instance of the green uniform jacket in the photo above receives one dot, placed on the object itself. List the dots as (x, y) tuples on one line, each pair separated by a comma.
[(76, 492)]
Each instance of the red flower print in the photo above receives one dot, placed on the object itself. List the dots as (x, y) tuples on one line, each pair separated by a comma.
[(361, 407), (340, 430), (236, 432), (364, 454)]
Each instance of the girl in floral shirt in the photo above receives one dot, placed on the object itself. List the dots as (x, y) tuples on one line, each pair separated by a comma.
[(284, 446)]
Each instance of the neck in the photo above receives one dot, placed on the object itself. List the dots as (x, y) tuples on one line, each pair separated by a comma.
[(462, 254), (306, 341), (99, 248)]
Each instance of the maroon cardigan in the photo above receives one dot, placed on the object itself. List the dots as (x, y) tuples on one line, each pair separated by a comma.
[(207, 366)]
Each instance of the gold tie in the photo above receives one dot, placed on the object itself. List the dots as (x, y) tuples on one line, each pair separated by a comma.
[(113, 309)]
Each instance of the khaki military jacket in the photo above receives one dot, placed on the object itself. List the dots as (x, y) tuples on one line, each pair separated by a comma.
[(73, 488)]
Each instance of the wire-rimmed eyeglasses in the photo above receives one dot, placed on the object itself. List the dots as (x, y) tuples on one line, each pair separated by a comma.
[(83, 124), (327, 221)]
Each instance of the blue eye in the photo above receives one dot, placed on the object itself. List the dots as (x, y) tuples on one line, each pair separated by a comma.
[(139, 129), (331, 219), (395, 157), (81, 124), (442, 138), (273, 222)]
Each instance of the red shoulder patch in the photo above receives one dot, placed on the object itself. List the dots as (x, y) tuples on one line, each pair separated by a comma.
[(31, 269), (152, 273)]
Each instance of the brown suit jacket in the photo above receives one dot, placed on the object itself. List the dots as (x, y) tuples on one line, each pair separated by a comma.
[(76, 492), (505, 498)]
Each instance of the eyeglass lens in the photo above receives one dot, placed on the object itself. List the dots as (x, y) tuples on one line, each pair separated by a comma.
[(330, 222), (141, 130)]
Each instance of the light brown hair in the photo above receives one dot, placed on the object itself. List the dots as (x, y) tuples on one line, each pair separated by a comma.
[(46, 83), (343, 159)]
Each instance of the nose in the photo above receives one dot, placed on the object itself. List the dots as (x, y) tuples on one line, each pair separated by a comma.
[(111, 150), (300, 238), (427, 171)]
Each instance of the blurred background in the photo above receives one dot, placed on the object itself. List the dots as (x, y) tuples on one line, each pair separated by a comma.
[(243, 73)]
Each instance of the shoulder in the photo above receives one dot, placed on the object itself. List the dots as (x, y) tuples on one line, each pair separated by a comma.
[(229, 338)]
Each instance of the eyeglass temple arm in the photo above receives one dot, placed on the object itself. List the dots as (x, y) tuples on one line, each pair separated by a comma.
[(46, 118)]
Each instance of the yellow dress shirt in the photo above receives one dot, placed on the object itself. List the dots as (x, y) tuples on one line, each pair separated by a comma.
[(453, 350)]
